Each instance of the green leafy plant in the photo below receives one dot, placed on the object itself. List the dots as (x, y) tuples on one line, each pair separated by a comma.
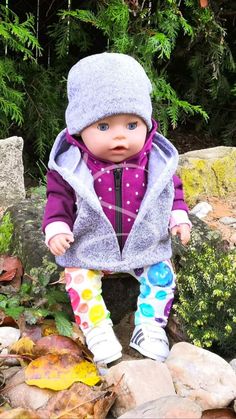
[(44, 94), (6, 231), (38, 299), (206, 301), (15, 38)]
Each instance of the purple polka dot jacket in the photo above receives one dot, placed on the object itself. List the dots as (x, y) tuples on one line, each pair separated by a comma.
[(119, 212)]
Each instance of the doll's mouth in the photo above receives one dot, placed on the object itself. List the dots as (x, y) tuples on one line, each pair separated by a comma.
[(119, 148)]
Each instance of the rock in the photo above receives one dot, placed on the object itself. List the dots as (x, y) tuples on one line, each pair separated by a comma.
[(233, 239), (201, 209), (20, 394), (170, 407), (232, 363), (28, 243), (201, 376), (12, 187), (143, 380), (228, 220), (208, 172), (28, 240), (8, 336)]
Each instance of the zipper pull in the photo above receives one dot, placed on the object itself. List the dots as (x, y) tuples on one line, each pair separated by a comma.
[(118, 176)]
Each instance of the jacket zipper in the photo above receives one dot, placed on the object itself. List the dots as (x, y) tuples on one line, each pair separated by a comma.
[(118, 203)]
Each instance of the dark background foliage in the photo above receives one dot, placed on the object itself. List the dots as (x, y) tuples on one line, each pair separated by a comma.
[(188, 52)]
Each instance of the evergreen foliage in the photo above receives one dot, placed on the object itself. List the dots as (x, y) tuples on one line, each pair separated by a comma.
[(207, 296), (16, 38), (185, 49), (44, 95)]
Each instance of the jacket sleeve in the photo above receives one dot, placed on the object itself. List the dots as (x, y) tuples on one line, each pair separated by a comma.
[(61, 201), (179, 202)]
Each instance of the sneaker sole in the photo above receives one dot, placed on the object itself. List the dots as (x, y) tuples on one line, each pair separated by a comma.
[(147, 353), (110, 359)]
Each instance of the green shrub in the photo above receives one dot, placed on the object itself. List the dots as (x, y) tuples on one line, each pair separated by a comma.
[(6, 230), (207, 298)]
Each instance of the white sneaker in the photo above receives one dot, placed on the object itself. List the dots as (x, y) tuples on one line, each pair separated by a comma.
[(103, 343), (151, 341)]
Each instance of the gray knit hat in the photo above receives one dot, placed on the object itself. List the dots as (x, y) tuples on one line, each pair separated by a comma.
[(106, 84)]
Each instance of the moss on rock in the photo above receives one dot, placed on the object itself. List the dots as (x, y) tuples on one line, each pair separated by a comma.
[(208, 172)]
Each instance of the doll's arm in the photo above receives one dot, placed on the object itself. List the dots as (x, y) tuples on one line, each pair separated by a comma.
[(60, 209), (179, 222)]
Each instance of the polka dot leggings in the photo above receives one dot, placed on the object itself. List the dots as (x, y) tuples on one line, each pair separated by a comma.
[(157, 285)]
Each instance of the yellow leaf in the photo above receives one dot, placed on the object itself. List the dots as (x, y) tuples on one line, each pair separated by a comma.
[(60, 371), (23, 346)]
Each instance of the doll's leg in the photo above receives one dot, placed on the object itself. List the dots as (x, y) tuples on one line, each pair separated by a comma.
[(157, 285), (84, 287)]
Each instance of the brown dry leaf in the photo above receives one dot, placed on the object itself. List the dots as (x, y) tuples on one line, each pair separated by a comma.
[(59, 372), (8, 276), (225, 413), (80, 401), (56, 344), (20, 413), (24, 346), (33, 332), (10, 270), (7, 320)]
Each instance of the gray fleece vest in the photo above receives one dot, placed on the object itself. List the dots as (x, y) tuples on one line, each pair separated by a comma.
[(96, 245)]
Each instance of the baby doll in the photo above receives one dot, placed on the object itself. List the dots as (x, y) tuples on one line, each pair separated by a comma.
[(112, 201)]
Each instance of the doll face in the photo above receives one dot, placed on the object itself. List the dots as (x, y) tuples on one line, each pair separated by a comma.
[(115, 138)]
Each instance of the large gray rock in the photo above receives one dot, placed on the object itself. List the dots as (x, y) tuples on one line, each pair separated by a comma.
[(208, 172), (12, 187), (201, 376), (140, 381), (120, 291), (170, 407)]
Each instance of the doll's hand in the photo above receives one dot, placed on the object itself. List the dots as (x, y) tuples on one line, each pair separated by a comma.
[(183, 231), (59, 244)]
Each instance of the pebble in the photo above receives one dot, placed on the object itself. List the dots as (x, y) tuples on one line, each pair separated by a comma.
[(228, 220), (201, 209)]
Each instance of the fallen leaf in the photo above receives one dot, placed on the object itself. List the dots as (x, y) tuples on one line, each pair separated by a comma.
[(10, 270), (24, 346), (20, 413), (58, 372), (7, 320), (56, 344), (80, 401), (31, 331), (49, 327), (225, 413), (8, 276)]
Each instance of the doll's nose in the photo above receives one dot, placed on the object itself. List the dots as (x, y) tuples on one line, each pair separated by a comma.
[(119, 134)]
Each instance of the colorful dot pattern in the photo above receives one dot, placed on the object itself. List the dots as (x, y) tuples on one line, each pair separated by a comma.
[(157, 285), (84, 288)]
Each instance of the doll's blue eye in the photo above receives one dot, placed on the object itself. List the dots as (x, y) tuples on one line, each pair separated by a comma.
[(103, 127), (132, 125)]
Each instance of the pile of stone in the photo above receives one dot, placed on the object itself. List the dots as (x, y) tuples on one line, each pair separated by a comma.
[(191, 381)]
